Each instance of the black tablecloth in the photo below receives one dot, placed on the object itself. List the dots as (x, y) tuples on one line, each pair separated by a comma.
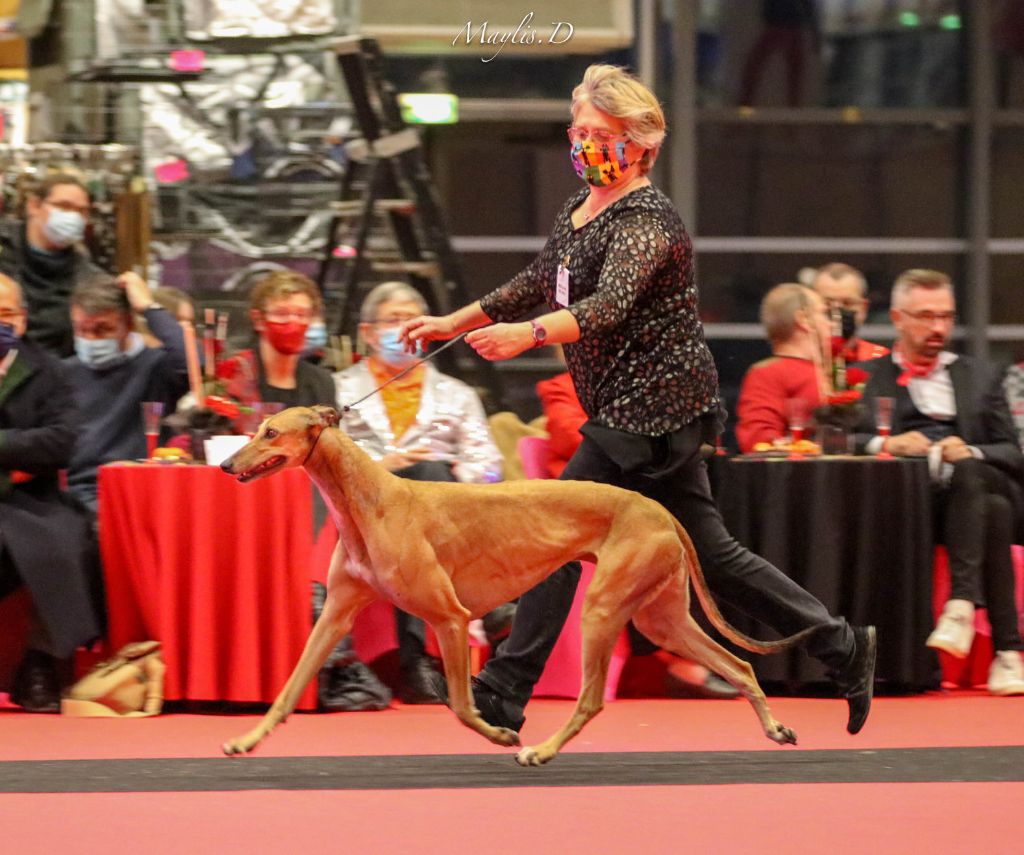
[(855, 532)]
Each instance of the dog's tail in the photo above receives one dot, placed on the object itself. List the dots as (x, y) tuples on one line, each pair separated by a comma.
[(710, 607)]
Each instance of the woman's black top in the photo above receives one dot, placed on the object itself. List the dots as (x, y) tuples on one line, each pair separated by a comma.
[(641, 364)]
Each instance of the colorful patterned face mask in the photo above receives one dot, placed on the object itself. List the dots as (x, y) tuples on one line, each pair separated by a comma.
[(600, 165)]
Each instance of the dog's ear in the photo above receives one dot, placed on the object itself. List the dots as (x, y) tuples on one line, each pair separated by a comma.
[(327, 416)]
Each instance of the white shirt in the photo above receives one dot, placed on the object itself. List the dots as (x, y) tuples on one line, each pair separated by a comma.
[(935, 397)]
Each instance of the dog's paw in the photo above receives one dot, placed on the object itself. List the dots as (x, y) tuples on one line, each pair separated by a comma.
[(529, 757), (782, 735), (237, 746), (505, 736)]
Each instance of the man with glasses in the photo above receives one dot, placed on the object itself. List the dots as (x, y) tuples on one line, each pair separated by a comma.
[(44, 254), (45, 541), (113, 372), (844, 290), (951, 409)]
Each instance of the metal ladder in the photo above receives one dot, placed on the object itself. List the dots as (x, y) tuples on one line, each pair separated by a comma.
[(386, 177)]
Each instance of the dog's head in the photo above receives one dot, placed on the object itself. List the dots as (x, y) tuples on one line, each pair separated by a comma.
[(284, 439)]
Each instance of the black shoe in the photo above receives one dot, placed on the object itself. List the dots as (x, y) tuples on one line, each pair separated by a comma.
[(857, 681), (421, 683), (350, 686), (713, 688), (494, 709), (36, 685), (497, 623)]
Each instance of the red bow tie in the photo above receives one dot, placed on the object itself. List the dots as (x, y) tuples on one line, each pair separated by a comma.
[(910, 370)]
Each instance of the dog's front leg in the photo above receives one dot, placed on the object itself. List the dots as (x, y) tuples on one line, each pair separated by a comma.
[(345, 598), (453, 639)]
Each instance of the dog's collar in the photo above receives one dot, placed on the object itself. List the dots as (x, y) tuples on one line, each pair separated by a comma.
[(313, 446)]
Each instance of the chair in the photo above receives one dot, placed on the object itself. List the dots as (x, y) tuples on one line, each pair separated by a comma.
[(534, 453), (972, 671), (563, 673)]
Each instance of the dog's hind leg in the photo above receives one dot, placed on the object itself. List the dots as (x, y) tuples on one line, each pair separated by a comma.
[(345, 598), (667, 622)]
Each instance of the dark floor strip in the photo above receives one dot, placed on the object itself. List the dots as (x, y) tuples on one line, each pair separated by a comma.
[(473, 770)]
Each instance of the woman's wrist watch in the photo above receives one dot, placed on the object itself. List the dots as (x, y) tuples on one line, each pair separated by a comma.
[(540, 335)]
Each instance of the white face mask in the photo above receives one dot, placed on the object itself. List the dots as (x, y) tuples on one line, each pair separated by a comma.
[(64, 228)]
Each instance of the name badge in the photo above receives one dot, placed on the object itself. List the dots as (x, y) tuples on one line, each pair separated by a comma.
[(562, 284)]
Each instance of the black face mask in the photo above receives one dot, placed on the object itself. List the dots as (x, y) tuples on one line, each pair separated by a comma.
[(7, 338), (848, 321)]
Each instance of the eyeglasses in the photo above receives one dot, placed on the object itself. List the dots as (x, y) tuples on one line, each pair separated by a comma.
[(282, 316), (392, 322), (71, 207), (597, 137), (931, 317)]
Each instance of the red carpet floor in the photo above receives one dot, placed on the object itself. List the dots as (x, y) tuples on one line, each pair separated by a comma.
[(946, 816)]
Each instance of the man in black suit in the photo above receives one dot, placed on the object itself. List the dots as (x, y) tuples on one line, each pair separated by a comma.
[(952, 409), (46, 542)]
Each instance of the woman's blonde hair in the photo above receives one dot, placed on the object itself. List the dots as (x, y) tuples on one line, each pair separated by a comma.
[(613, 90)]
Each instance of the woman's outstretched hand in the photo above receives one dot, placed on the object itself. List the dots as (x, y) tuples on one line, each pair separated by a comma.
[(501, 341), (425, 328)]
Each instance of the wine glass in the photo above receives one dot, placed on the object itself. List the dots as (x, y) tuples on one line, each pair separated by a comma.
[(883, 423), (151, 413), (797, 412)]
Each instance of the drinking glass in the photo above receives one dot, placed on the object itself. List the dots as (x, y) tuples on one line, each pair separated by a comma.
[(797, 413), (151, 414), (883, 423)]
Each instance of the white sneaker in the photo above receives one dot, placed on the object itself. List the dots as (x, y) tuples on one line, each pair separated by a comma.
[(954, 633), (1006, 674)]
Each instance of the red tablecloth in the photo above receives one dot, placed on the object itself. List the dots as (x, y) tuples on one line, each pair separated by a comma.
[(217, 571)]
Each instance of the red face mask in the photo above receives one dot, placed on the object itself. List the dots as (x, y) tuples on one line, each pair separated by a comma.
[(289, 337)]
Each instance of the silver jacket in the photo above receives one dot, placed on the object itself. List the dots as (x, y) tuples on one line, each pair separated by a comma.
[(450, 423), (226, 19)]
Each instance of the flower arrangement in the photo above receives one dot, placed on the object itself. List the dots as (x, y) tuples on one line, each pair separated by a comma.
[(843, 407)]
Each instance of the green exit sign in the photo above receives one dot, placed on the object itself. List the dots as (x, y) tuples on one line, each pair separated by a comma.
[(429, 108)]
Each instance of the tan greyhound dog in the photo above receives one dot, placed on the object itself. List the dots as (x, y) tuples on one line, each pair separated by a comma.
[(448, 552)]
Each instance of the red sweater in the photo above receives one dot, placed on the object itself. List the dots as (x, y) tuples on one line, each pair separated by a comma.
[(767, 386), (565, 418)]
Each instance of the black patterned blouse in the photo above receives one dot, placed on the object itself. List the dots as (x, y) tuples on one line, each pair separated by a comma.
[(641, 364)]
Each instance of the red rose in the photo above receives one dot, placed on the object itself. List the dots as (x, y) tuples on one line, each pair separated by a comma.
[(227, 369), (856, 376), (850, 396), (223, 406)]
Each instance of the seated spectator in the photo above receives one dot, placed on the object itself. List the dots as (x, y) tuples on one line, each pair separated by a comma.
[(46, 541), (177, 302), (565, 417), (952, 409), (844, 290), (282, 305), (426, 426), (797, 324), (1013, 386), (45, 255), (113, 372)]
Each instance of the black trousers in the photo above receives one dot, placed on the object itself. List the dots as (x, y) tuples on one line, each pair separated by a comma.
[(975, 519), (671, 471)]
